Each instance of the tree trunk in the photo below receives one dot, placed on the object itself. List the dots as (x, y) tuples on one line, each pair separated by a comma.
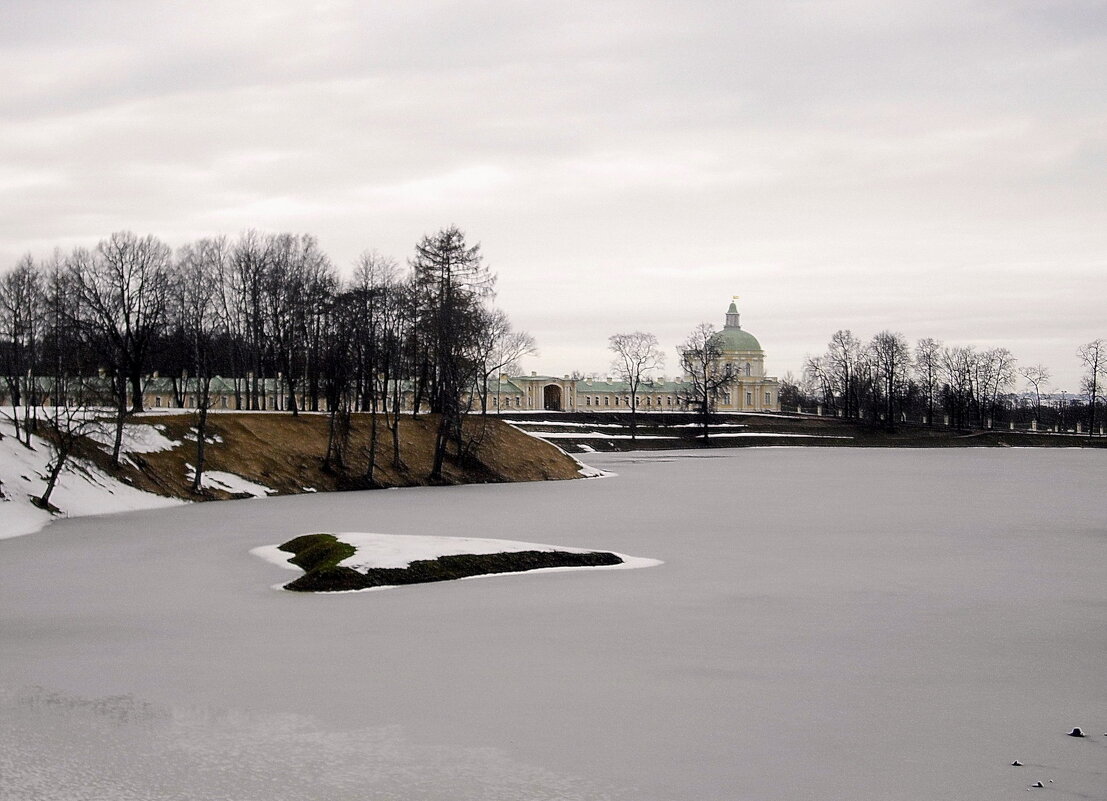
[(634, 415), (120, 416), (136, 391), (13, 391), (371, 469), (201, 436), (330, 440), (62, 454), (440, 439)]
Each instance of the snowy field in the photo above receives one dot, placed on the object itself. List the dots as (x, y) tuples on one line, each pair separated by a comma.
[(827, 624)]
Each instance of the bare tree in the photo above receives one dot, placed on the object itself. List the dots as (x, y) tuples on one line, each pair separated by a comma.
[(298, 283), (500, 349), (1036, 377), (706, 376), (792, 391), (891, 359), (928, 353), (843, 359), (243, 303), (22, 301), (637, 355), (198, 267), (71, 417), (123, 290), (370, 295), (817, 379), (957, 365), (1093, 356), (993, 372)]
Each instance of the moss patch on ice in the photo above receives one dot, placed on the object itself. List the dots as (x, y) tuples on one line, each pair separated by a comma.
[(319, 556), (317, 551)]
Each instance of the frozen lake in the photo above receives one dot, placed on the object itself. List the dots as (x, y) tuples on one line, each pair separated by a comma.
[(828, 624)]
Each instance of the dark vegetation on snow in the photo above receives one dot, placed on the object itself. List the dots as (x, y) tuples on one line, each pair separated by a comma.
[(319, 555)]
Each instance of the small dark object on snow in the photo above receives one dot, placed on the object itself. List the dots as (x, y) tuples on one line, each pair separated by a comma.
[(1037, 784), (1077, 732), (1016, 764)]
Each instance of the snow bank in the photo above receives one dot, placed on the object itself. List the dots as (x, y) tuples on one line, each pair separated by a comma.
[(229, 482), (565, 424), (137, 438), (82, 489), (714, 434), (591, 435)]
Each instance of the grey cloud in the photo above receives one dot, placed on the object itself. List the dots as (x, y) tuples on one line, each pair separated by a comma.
[(821, 158)]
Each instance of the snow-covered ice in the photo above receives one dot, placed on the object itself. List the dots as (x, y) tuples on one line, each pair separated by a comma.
[(829, 623)]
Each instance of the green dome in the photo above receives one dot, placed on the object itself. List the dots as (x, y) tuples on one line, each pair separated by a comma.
[(737, 339)]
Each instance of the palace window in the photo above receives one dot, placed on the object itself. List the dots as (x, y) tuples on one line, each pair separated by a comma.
[(606, 400), (748, 369), (768, 398), (749, 399)]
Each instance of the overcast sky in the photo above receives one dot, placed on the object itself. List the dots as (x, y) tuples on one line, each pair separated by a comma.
[(934, 168)]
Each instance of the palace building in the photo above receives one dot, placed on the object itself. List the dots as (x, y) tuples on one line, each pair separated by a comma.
[(750, 391)]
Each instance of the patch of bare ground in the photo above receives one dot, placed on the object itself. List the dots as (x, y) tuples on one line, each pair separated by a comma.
[(286, 454)]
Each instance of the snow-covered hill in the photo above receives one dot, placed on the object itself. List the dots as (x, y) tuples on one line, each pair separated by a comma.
[(83, 489)]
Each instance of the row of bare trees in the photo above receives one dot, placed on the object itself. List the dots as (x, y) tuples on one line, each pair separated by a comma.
[(885, 379), (706, 376), (90, 325)]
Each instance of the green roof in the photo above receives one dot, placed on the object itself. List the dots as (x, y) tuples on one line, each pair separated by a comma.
[(586, 387), (737, 339), (732, 337)]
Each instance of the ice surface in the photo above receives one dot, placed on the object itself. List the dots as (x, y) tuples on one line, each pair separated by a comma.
[(828, 624)]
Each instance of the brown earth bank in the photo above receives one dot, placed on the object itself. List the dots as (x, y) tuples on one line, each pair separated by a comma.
[(578, 432), (286, 454)]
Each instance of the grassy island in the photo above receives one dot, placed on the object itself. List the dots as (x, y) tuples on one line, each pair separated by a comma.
[(319, 556)]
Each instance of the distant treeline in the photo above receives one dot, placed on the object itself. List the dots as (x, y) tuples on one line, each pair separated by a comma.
[(886, 380), (261, 307)]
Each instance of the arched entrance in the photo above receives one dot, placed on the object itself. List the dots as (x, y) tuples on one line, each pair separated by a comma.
[(551, 397)]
